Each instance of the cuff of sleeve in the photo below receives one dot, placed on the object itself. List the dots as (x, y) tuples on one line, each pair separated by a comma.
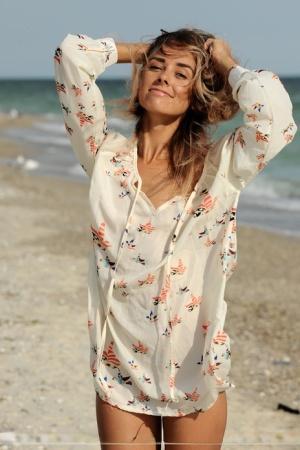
[(112, 50), (235, 74)]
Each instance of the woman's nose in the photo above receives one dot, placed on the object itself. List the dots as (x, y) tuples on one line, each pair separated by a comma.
[(163, 76)]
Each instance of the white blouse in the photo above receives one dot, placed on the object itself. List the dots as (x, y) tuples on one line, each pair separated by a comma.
[(157, 276)]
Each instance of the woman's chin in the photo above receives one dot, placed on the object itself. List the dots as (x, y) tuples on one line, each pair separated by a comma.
[(159, 110), (161, 113)]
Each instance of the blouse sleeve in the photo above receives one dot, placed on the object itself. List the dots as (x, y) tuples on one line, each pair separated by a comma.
[(268, 124), (78, 61)]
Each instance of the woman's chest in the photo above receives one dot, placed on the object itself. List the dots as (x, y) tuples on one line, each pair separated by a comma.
[(157, 184)]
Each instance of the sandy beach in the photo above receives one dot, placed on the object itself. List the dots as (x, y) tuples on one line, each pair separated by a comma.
[(46, 389)]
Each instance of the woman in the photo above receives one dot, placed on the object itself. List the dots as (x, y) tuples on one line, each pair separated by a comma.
[(163, 232)]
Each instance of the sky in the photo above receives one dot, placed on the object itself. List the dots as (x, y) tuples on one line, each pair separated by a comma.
[(261, 33)]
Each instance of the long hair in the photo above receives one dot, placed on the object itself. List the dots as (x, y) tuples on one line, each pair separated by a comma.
[(211, 102)]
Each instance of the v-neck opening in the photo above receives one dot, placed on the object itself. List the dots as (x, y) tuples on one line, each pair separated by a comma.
[(155, 209), (167, 202)]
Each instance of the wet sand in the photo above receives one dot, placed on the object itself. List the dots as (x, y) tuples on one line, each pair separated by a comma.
[(46, 390)]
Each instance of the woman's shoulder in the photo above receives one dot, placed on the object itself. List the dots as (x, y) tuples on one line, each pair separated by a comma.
[(117, 145)]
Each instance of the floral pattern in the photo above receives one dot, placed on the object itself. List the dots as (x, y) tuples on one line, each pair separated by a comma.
[(157, 277)]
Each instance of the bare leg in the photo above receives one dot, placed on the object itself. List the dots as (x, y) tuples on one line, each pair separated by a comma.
[(206, 427), (119, 426)]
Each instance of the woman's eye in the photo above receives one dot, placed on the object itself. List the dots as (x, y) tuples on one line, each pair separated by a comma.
[(181, 75), (154, 67)]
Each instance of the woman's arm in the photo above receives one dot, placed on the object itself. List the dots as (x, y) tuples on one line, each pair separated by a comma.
[(128, 51), (78, 61), (268, 121)]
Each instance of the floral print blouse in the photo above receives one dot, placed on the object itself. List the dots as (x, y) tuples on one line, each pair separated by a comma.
[(157, 276)]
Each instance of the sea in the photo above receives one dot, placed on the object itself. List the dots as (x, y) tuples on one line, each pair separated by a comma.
[(271, 201)]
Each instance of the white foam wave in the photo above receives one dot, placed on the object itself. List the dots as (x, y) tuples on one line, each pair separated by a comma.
[(273, 193), (50, 126), (120, 124), (27, 164), (55, 127), (280, 203)]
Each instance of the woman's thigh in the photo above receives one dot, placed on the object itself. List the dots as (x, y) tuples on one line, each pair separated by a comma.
[(116, 425), (206, 427)]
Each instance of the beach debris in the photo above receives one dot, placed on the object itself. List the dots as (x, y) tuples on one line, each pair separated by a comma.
[(286, 360), (288, 408), (7, 437)]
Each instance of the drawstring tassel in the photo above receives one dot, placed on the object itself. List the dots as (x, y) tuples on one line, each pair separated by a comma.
[(178, 227)]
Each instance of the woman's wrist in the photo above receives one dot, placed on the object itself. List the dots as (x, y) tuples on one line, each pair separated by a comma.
[(233, 66), (230, 66), (127, 52), (226, 66)]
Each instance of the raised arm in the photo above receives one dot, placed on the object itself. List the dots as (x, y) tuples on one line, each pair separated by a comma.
[(268, 124), (78, 61), (128, 51)]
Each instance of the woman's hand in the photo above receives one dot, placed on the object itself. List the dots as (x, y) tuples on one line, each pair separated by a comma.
[(221, 55)]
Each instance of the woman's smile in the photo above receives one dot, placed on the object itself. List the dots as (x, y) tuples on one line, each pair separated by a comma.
[(159, 92)]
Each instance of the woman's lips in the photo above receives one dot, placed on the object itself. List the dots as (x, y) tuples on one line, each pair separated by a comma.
[(158, 92)]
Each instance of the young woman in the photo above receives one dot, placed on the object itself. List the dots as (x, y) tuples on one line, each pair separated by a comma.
[(163, 232)]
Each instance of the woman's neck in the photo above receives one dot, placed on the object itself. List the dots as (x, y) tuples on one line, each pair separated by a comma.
[(153, 143)]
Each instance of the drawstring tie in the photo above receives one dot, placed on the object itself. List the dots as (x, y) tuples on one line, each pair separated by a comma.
[(176, 232)]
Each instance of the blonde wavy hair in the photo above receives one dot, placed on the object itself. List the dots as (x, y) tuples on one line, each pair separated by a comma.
[(211, 102)]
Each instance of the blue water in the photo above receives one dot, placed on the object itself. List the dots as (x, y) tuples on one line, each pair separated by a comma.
[(271, 201)]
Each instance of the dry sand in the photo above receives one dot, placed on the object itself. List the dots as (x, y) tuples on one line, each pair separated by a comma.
[(46, 390)]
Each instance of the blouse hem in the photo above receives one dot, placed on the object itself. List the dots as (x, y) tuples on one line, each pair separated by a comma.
[(154, 412)]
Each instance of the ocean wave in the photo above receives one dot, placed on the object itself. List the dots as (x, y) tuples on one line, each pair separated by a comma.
[(77, 170), (121, 125), (275, 189), (272, 189), (278, 203), (56, 127)]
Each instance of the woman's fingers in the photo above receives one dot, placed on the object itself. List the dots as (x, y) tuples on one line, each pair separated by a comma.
[(217, 47), (220, 53), (207, 43)]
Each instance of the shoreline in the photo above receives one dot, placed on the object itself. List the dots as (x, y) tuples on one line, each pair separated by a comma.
[(10, 149), (47, 390), (28, 156)]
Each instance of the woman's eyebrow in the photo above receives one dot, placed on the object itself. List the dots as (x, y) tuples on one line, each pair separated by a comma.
[(178, 64)]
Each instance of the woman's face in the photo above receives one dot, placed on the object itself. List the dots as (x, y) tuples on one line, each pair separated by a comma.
[(166, 82)]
